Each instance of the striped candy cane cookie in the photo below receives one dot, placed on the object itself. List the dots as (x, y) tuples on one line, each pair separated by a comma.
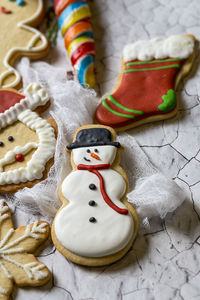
[(74, 22)]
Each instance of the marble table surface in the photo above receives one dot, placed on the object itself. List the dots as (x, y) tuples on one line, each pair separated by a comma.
[(165, 263)]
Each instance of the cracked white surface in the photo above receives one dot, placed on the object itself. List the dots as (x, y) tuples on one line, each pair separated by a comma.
[(163, 264)]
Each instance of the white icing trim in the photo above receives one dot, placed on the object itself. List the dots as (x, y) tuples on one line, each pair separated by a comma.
[(3, 210), (46, 149), (30, 48), (10, 155), (8, 275), (32, 270), (35, 96), (175, 46), (31, 231), (3, 291)]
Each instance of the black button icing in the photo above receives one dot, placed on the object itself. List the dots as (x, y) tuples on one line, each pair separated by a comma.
[(92, 186), (91, 203), (11, 138), (1, 144), (92, 219)]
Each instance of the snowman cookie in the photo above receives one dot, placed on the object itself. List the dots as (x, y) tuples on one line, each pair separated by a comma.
[(95, 225), (27, 142), (19, 38)]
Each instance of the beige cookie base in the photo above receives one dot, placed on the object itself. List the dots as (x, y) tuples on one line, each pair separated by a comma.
[(12, 188), (106, 260), (16, 37), (32, 56), (185, 69), (29, 245)]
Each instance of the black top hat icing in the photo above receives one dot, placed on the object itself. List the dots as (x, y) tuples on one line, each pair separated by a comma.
[(93, 137)]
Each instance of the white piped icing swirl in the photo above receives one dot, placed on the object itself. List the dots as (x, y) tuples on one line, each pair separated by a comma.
[(175, 46), (46, 148)]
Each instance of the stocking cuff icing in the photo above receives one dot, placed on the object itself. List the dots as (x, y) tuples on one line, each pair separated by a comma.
[(175, 46), (10, 110)]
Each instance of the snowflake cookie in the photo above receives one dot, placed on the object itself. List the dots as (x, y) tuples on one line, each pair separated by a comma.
[(18, 265)]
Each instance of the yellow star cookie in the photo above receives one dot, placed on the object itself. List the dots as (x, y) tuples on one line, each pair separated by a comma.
[(17, 263)]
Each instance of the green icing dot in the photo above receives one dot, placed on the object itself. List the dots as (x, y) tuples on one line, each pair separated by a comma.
[(169, 101)]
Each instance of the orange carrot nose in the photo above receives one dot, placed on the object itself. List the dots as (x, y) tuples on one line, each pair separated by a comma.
[(95, 156)]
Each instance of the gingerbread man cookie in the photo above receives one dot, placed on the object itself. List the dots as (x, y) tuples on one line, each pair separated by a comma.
[(27, 142), (151, 72), (95, 225), (18, 265), (18, 37)]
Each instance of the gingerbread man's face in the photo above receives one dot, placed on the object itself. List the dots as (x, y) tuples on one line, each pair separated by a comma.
[(19, 38), (27, 142)]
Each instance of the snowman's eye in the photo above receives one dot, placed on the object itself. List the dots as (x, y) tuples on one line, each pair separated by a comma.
[(88, 150), (10, 138), (96, 150)]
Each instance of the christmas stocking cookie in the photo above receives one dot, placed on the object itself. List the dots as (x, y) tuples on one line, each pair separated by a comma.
[(18, 37), (150, 74), (27, 142), (18, 265), (95, 225)]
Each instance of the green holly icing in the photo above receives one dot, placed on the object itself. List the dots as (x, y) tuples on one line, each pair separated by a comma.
[(169, 101)]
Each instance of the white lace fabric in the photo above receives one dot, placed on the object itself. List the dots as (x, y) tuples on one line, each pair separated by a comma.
[(151, 193)]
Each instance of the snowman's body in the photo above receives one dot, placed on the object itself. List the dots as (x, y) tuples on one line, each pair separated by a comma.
[(111, 231)]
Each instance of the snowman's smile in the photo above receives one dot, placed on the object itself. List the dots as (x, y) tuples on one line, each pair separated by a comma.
[(86, 159)]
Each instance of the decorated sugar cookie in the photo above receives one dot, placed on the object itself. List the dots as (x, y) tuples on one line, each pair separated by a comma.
[(18, 265), (75, 25), (27, 142), (95, 225), (19, 37), (151, 71)]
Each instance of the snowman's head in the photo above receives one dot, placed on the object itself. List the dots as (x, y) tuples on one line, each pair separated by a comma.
[(95, 155), (94, 146)]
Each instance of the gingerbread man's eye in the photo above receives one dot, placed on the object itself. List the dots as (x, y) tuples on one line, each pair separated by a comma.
[(96, 150), (10, 138), (1, 144), (88, 150)]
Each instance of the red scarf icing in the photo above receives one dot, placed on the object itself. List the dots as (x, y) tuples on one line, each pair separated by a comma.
[(94, 169)]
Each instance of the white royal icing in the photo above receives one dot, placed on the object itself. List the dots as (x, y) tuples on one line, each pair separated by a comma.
[(3, 291), (3, 211), (112, 231), (35, 96), (10, 155), (175, 46), (30, 48)]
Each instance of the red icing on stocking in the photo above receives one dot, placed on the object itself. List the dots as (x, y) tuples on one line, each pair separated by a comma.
[(146, 89)]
